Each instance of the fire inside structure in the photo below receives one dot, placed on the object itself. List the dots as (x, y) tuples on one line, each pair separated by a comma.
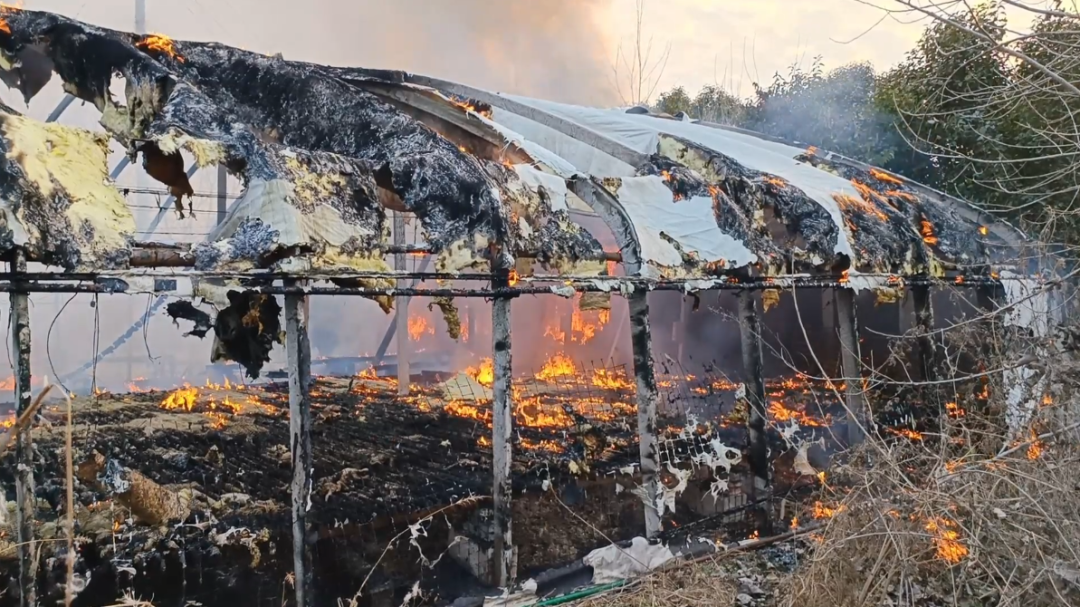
[(318, 486)]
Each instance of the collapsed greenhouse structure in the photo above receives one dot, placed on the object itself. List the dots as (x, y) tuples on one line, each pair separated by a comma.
[(237, 493)]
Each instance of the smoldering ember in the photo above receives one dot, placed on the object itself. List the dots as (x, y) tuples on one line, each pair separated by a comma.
[(601, 450)]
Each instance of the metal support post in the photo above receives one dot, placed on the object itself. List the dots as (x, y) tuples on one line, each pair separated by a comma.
[(852, 362), (24, 449), (924, 320), (140, 17), (644, 374), (401, 320), (298, 351), (502, 428), (222, 193), (754, 369)]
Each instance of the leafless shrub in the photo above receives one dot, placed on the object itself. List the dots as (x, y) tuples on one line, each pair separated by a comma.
[(966, 514), (637, 71)]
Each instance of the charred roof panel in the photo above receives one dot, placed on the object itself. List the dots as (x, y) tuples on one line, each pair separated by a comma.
[(321, 158), (55, 199), (818, 214), (325, 151)]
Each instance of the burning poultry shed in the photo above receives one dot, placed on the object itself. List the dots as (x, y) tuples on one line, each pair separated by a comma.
[(330, 158)]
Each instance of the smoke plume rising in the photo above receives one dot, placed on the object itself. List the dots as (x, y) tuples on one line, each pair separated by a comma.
[(555, 49)]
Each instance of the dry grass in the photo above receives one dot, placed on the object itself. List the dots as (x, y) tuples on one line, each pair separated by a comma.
[(963, 517), (700, 584)]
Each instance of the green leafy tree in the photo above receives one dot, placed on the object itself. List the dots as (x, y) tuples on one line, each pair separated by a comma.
[(836, 111), (939, 97), (674, 101)]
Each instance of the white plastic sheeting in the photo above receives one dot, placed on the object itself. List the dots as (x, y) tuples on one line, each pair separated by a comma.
[(1029, 308), (690, 222), (554, 185), (642, 134), (579, 155), (612, 563)]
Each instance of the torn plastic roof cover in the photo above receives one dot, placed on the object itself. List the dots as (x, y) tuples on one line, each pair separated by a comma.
[(295, 132), (826, 211)]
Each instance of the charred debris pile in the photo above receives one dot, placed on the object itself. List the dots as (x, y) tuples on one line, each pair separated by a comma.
[(188, 491)]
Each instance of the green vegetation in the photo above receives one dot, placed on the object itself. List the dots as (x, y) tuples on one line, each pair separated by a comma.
[(974, 110)]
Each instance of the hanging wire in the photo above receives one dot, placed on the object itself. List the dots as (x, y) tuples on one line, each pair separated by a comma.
[(48, 340), (97, 337), (146, 326)]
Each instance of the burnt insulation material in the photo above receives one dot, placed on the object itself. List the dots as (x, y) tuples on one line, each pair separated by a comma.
[(778, 222), (253, 104), (185, 310), (735, 220), (891, 228), (54, 199), (945, 234), (247, 330), (267, 120)]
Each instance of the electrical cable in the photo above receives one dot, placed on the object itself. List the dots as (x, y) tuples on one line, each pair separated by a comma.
[(48, 340)]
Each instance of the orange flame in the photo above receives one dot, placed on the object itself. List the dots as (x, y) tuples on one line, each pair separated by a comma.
[(582, 327), (533, 413), (773, 180), (463, 409), (928, 233), (780, 413), (558, 365), (469, 107), (611, 380), (954, 410), (908, 196), (1035, 449), (947, 542), (418, 326), (865, 191), (906, 433), (883, 176), (184, 398), (822, 511), (7, 8), (160, 43), (983, 230), (665, 175), (514, 278), (483, 374), (857, 205)]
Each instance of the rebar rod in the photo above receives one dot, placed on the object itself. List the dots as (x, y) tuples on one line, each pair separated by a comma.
[(117, 285)]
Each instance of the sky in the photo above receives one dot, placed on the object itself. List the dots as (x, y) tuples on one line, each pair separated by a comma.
[(560, 49)]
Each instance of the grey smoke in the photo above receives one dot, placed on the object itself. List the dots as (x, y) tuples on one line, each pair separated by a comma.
[(554, 49)]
